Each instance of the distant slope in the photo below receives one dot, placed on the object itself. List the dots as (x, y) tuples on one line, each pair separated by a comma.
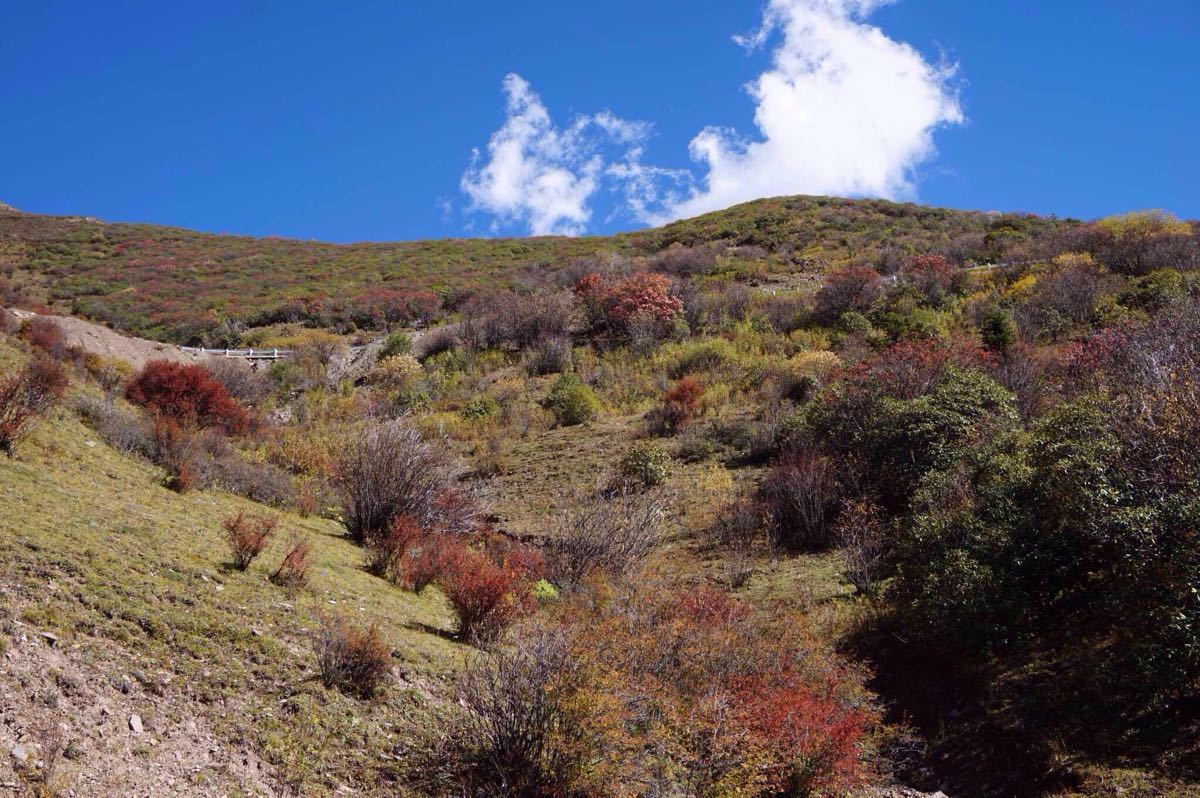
[(172, 284)]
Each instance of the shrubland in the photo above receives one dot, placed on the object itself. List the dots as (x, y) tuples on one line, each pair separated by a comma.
[(789, 500)]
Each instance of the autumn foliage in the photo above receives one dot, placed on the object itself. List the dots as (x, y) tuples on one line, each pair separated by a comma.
[(27, 395), (616, 304), (188, 395)]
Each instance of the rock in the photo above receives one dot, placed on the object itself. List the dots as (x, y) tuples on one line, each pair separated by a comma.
[(135, 724), (50, 637), (20, 753)]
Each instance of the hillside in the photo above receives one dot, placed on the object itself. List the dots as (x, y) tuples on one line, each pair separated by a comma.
[(177, 285), (806, 498)]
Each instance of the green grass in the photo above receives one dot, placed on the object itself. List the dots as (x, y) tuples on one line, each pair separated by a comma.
[(95, 551)]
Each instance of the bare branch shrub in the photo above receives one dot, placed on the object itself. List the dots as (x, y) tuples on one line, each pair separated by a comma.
[(610, 537), (863, 537), (801, 495), (548, 355), (241, 380), (388, 470), (517, 736)]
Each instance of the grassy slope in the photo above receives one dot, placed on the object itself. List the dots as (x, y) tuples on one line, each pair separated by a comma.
[(162, 282), (95, 551)]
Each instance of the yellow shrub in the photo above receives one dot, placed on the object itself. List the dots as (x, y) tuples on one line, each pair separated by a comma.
[(816, 363), (394, 373)]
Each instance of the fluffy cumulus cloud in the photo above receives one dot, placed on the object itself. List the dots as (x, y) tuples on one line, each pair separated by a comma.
[(842, 110), (539, 174)]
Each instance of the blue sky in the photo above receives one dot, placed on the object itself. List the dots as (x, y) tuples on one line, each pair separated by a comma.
[(357, 120)]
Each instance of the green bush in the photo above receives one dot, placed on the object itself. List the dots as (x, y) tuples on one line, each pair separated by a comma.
[(480, 408), (646, 464), (571, 401), (703, 355), (397, 343), (998, 331)]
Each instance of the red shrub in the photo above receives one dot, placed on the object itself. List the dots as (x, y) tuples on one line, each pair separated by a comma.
[(487, 596), (27, 395), (430, 558), (188, 395), (910, 368), (248, 535), (46, 335), (174, 450), (679, 407), (293, 569), (355, 661), (932, 275), (642, 295), (386, 551), (810, 740), (850, 288)]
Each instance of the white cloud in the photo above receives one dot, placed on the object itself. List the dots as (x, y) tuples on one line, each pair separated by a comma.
[(842, 110), (538, 174)]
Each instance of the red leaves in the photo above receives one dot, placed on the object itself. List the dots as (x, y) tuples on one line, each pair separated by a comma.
[(810, 740), (27, 395), (188, 395), (488, 594), (643, 294)]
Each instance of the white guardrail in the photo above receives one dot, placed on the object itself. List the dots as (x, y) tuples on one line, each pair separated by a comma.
[(249, 354)]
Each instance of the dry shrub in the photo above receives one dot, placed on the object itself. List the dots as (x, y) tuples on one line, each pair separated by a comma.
[(608, 537), (123, 431), (741, 525), (801, 494), (26, 396), (241, 380), (863, 536), (292, 572), (435, 342), (388, 470), (516, 736), (173, 448), (549, 355), (248, 536), (352, 660)]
